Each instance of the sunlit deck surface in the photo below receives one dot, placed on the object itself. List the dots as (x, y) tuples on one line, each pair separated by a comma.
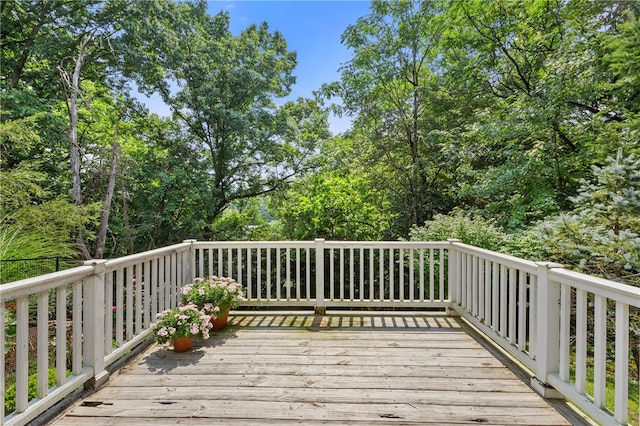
[(362, 368)]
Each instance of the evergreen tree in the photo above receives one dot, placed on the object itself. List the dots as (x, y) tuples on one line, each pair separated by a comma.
[(602, 233)]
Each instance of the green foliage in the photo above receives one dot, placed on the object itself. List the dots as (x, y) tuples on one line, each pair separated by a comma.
[(42, 230), (245, 221), (539, 109), (9, 327), (497, 108), (32, 392), (32, 146), (34, 224), (602, 233), (475, 231), (390, 87), (244, 145), (527, 244), (333, 205)]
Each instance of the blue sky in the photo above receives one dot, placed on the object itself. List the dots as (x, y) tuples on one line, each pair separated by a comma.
[(311, 28)]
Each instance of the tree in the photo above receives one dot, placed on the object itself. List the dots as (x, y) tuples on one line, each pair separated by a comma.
[(332, 205), (72, 38), (602, 233), (32, 228), (221, 89), (547, 111), (337, 200), (98, 28), (246, 220), (389, 87)]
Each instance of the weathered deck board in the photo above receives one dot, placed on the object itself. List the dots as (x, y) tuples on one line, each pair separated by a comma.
[(363, 368)]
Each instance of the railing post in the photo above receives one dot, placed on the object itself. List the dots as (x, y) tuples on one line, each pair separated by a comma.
[(548, 318), (2, 339), (320, 307), (453, 279), (93, 313), (189, 265)]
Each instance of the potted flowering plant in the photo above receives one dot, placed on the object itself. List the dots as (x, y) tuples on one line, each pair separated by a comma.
[(181, 325), (216, 296)]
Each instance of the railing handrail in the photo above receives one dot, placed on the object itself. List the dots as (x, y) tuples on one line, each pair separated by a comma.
[(27, 286), (504, 259), (599, 286), (527, 308), (386, 244), (254, 244), (144, 256)]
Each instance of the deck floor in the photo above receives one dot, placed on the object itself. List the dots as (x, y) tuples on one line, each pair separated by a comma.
[(363, 368)]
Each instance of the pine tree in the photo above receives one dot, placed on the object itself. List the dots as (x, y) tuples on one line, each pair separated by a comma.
[(602, 233)]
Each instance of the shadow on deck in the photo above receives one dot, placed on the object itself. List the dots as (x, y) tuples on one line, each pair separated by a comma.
[(289, 367)]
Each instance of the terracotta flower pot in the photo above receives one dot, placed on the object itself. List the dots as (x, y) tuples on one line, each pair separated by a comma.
[(182, 344), (220, 321)]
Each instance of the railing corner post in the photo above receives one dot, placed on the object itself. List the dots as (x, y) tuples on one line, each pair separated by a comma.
[(93, 322), (320, 307), (453, 277), (548, 332), (189, 266)]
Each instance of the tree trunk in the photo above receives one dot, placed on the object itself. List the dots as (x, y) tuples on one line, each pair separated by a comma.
[(42, 18), (106, 207), (125, 219), (73, 86)]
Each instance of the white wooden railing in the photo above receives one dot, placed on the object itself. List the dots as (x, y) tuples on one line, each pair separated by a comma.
[(525, 307), (99, 312), (352, 274), (528, 309)]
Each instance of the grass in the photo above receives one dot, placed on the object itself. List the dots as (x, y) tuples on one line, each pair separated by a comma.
[(633, 389)]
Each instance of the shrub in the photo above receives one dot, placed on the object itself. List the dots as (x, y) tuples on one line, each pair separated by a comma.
[(10, 393), (470, 230)]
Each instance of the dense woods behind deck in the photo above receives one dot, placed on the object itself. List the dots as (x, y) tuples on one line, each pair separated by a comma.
[(520, 116)]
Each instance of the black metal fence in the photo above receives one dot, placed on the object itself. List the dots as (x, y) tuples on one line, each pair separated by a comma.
[(19, 269)]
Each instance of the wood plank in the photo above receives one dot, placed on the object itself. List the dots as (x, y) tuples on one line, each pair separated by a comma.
[(336, 412), (167, 421), (372, 360), (383, 396), (329, 382), (307, 369), (331, 336), (350, 351)]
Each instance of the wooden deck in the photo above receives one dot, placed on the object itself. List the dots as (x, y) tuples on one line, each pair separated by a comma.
[(362, 368)]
